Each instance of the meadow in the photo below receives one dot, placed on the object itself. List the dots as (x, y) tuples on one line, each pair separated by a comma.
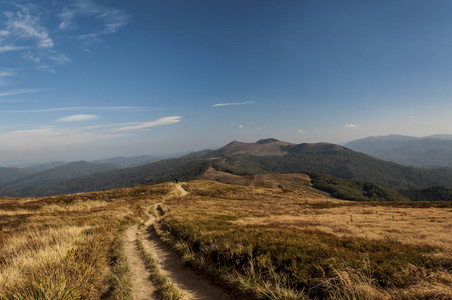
[(70, 247), (260, 237), (280, 243)]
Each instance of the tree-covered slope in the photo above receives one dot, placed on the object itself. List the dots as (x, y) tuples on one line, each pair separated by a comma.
[(322, 158), (27, 184), (11, 174), (346, 164)]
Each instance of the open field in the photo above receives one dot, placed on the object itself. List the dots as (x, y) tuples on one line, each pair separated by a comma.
[(281, 243), (70, 247), (271, 237)]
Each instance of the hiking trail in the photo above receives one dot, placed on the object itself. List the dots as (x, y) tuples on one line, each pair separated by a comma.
[(194, 286)]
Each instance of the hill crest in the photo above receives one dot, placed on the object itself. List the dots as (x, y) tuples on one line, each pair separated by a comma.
[(263, 147)]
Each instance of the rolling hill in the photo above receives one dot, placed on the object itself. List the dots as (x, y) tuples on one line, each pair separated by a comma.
[(129, 161), (27, 184), (47, 166), (11, 174), (270, 156), (431, 151)]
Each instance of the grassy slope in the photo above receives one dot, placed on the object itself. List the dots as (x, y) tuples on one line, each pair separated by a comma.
[(70, 247), (263, 241), (303, 245)]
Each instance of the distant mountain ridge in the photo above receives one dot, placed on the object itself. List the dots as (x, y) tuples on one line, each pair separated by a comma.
[(11, 174), (129, 161), (27, 184), (264, 156), (429, 152)]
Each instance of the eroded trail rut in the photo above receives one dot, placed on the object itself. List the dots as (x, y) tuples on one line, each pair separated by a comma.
[(194, 286)]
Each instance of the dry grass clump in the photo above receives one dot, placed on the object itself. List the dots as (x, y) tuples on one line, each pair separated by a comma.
[(275, 243), (70, 246), (34, 249)]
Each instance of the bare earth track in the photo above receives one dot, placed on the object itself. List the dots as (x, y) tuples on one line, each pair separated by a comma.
[(194, 286), (143, 288)]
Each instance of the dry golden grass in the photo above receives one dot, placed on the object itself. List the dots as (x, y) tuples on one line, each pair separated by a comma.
[(421, 226), (70, 247), (318, 245)]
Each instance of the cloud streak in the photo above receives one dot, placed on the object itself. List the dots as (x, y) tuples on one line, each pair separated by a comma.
[(147, 125), (117, 108), (232, 103), (10, 47), (78, 118), (350, 126), (23, 91)]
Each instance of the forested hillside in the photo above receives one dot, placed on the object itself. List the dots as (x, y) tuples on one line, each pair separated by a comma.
[(321, 158)]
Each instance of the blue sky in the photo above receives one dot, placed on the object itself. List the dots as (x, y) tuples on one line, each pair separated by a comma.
[(88, 79)]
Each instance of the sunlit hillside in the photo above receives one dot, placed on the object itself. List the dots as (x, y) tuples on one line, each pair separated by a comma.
[(258, 237), (70, 247)]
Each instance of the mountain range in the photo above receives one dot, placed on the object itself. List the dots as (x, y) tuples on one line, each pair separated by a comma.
[(262, 157), (30, 181), (427, 152)]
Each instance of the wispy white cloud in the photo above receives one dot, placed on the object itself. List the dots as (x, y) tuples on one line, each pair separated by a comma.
[(111, 20), (117, 108), (350, 125), (7, 73), (67, 19), (147, 125), (31, 28), (60, 59), (30, 56), (232, 103), (10, 47), (25, 24), (73, 140), (240, 126), (78, 118), (48, 138), (23, 91), (301, 131)]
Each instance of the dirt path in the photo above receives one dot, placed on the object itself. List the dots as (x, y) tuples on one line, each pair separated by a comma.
[(143, 288), (181, 189), (194, 286)]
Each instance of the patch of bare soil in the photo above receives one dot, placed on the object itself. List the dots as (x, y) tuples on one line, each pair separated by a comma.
[(143, 288), (181, 189)]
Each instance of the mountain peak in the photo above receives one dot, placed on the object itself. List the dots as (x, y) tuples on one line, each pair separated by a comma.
[(267, 141), (262, 147)]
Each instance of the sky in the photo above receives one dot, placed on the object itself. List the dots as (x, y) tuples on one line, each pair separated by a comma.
[(92, 79)]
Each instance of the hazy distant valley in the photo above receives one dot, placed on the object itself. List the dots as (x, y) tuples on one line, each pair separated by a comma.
[(427, 152)]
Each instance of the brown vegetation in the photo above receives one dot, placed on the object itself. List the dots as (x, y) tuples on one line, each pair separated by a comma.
[(70, 247), (272, 237), (280, 243)]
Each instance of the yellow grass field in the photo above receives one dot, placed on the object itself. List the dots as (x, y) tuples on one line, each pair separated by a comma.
[(260, 237), (307, 245), (70, 247)]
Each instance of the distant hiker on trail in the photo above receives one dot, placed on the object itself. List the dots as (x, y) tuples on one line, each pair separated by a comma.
[(176, 180)]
